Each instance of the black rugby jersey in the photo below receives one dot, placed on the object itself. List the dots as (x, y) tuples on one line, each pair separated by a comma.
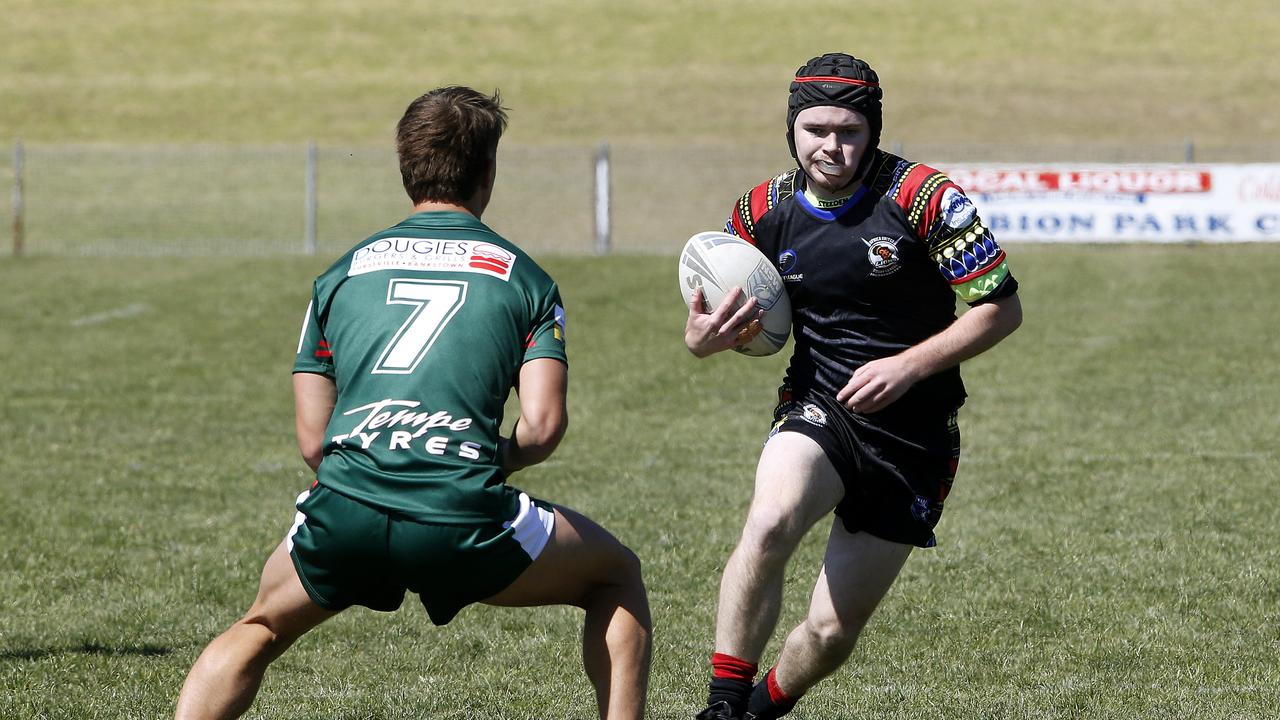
[(876, 275)]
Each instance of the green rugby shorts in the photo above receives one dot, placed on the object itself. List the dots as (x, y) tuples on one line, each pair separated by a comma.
[(348, 553)]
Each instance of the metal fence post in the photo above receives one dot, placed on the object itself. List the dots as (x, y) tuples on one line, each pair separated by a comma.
[(602, 209), (1189, 151), (19, 156), (309, 221)]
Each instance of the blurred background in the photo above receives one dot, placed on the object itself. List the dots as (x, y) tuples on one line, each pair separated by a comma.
[(160, 127)]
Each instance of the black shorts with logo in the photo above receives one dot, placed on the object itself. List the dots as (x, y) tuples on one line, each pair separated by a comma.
[(897, 464)]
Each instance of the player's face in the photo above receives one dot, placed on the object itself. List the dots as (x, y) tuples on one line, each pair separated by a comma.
[(829, 143)]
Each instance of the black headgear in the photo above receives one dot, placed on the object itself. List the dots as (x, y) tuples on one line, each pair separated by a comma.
[(841, 80)]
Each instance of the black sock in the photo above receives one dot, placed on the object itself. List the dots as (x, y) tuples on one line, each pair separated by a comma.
[(762, 706), (729, 690)]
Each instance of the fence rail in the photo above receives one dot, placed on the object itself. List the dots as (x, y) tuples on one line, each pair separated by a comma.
[(98, 199)]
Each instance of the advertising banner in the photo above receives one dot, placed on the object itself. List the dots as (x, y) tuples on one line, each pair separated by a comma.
[(1125, 203)]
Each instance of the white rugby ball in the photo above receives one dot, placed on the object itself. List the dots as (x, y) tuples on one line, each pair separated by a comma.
[(717, 261)]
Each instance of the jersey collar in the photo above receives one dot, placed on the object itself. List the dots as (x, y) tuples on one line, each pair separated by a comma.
[(448, 218), (830, 214)]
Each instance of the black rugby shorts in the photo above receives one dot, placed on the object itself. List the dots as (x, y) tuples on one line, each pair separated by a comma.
[(897, 464)]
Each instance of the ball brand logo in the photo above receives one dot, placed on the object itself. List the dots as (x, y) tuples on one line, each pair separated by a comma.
[(764, 285), (492, 258), (882, 252), (701, 269)]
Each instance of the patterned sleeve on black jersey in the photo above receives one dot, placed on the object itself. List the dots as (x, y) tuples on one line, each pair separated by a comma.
[(740, 222), (755, 203), (943, 217), (965, 250)]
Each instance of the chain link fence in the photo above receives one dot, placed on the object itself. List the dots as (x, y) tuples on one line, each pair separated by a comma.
[(95, 199)]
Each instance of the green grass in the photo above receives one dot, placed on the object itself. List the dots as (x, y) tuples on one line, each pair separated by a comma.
[(1110, 549), (1149, 71)]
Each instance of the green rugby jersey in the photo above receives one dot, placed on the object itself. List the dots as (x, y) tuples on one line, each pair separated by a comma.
[(423, 327)]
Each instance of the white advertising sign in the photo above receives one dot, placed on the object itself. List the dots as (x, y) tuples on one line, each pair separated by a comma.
[(1125, 203)]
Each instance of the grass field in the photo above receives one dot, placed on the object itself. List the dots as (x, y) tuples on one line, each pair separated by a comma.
[(1110, 550), (672, 71)]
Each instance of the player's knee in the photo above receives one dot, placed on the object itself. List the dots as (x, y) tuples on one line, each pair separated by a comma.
[(624, 567), (832, 637), (267, 639), (619, 580), (249, 640), (617, 567), (257, 625), (771, 534)]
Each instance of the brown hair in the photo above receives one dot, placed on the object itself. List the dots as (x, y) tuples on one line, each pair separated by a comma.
[(446, 141)]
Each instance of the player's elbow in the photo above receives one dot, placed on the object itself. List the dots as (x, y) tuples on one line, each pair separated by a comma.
[(1011, 313), (543, 432), (312, 452)]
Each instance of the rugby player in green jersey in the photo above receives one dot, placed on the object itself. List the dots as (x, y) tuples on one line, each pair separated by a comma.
[(410, 347)]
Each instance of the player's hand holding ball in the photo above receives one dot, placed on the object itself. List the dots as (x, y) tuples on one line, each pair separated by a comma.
[(735, 296), (710, 331)]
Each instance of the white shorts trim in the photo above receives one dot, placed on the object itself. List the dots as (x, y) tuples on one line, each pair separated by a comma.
[(298, 519), (533, 526)]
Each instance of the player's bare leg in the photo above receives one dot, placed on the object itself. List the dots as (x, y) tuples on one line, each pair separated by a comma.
[(796, 485), (857, 571), (226, 676), (583, 565)]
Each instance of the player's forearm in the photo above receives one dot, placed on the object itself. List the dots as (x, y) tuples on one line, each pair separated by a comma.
[(543, 418), (975, 332), (314, 398)]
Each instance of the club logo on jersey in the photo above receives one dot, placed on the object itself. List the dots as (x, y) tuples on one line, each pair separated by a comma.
[(788, 260), (957, 211), (402, 253), (814, 415), (559, 330), (882, 252)]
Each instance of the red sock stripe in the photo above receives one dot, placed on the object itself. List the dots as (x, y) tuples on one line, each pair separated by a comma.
[(775, 693), (728, 666)]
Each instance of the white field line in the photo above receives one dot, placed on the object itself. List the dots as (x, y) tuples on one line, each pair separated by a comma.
[(127, 311)]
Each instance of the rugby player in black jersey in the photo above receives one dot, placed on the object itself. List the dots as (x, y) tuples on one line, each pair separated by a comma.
[(873, 250)]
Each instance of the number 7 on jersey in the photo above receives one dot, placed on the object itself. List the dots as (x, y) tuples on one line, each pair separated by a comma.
[(435, 302)]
